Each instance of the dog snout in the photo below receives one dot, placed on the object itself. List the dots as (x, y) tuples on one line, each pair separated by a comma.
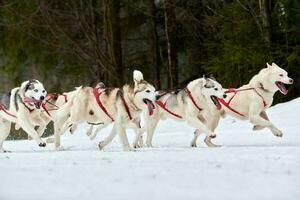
[(291, 81), (42, 98), (224, 96)]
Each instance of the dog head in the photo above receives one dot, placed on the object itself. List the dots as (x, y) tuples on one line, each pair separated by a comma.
[(211, 90), (144, 93), (276, 78), (33, 91)]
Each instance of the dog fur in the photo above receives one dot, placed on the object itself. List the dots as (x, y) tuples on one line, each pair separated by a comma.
[(250, 102), (30, 121), (84, 108), (203, 90)]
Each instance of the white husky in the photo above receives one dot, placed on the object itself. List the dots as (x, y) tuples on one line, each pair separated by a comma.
[(25, 110), (251, 100), (197, 104)]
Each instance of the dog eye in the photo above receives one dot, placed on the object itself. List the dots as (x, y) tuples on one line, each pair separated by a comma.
[(216, 89), (148, 91), (281, 75), (44, 91), (36, 90)]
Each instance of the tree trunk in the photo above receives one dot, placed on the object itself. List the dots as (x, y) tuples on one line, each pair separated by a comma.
[(113, 37), (265, 12), (170, 29), (155, 61)]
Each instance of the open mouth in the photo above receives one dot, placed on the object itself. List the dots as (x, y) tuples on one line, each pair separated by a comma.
[(281, 87), (216, 102), (32, 100), (150, 105)]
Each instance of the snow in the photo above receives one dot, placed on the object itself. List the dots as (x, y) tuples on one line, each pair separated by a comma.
[(249, 165)]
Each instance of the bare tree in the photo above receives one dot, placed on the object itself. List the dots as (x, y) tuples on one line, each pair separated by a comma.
[(170, 30)]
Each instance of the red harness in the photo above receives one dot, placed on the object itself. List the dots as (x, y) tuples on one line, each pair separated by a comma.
[(126, 107), (66, 97), (97, 97), (163, 105), (235, 91), (6, 111)]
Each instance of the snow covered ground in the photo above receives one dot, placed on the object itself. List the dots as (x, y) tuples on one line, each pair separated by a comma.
[(249, 165)]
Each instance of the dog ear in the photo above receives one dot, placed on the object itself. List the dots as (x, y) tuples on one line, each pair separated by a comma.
[(100, 85), (24, 86), (137, 76), (202, 82), (274, 65), (211, 76), (269, 66)]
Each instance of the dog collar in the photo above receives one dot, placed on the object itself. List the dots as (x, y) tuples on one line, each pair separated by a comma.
[(263, 88)]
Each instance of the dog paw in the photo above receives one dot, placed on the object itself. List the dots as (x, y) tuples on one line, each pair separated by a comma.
[(101, 145), (278, 133), (128, 148), (42, 144), (194, 145), (4, 151), (149, 145)]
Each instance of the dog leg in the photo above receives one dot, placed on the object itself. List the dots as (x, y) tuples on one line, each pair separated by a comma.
[(151, 123), (195, 122), (89, 130), (109, 138), (264, 115), (196, 135), (138, 142), (209, 143), (5, 129), (94, 134), (123, 137), (73, 128), (258, 120), (212, 124)]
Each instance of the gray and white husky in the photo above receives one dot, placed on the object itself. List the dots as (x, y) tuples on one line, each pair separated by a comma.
[(197, 104), (103, 106), (24, 108)]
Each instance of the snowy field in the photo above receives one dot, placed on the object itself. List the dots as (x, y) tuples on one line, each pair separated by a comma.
[(249, 165)]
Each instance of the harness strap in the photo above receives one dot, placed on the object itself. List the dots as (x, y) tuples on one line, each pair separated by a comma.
[(163, 106), (264, 102), (97, 97), (29, 109), (126, 107), (6, 111), (189, 93), (66, 97), (45, 109), (235, 91)]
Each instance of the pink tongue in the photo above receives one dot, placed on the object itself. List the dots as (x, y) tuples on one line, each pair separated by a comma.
[(150, 107), (282, 88)]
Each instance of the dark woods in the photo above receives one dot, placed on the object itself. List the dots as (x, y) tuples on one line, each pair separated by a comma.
[(74, 42)]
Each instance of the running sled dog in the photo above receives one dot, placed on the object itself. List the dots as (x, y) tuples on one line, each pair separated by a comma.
[(197, 104), (251, 101), (23, 107), (103, 106)]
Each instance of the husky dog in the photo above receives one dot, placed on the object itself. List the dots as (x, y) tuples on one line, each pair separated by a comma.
[(251, 100), (102, 106), (56, 103), (196, 104), (24, 109)]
